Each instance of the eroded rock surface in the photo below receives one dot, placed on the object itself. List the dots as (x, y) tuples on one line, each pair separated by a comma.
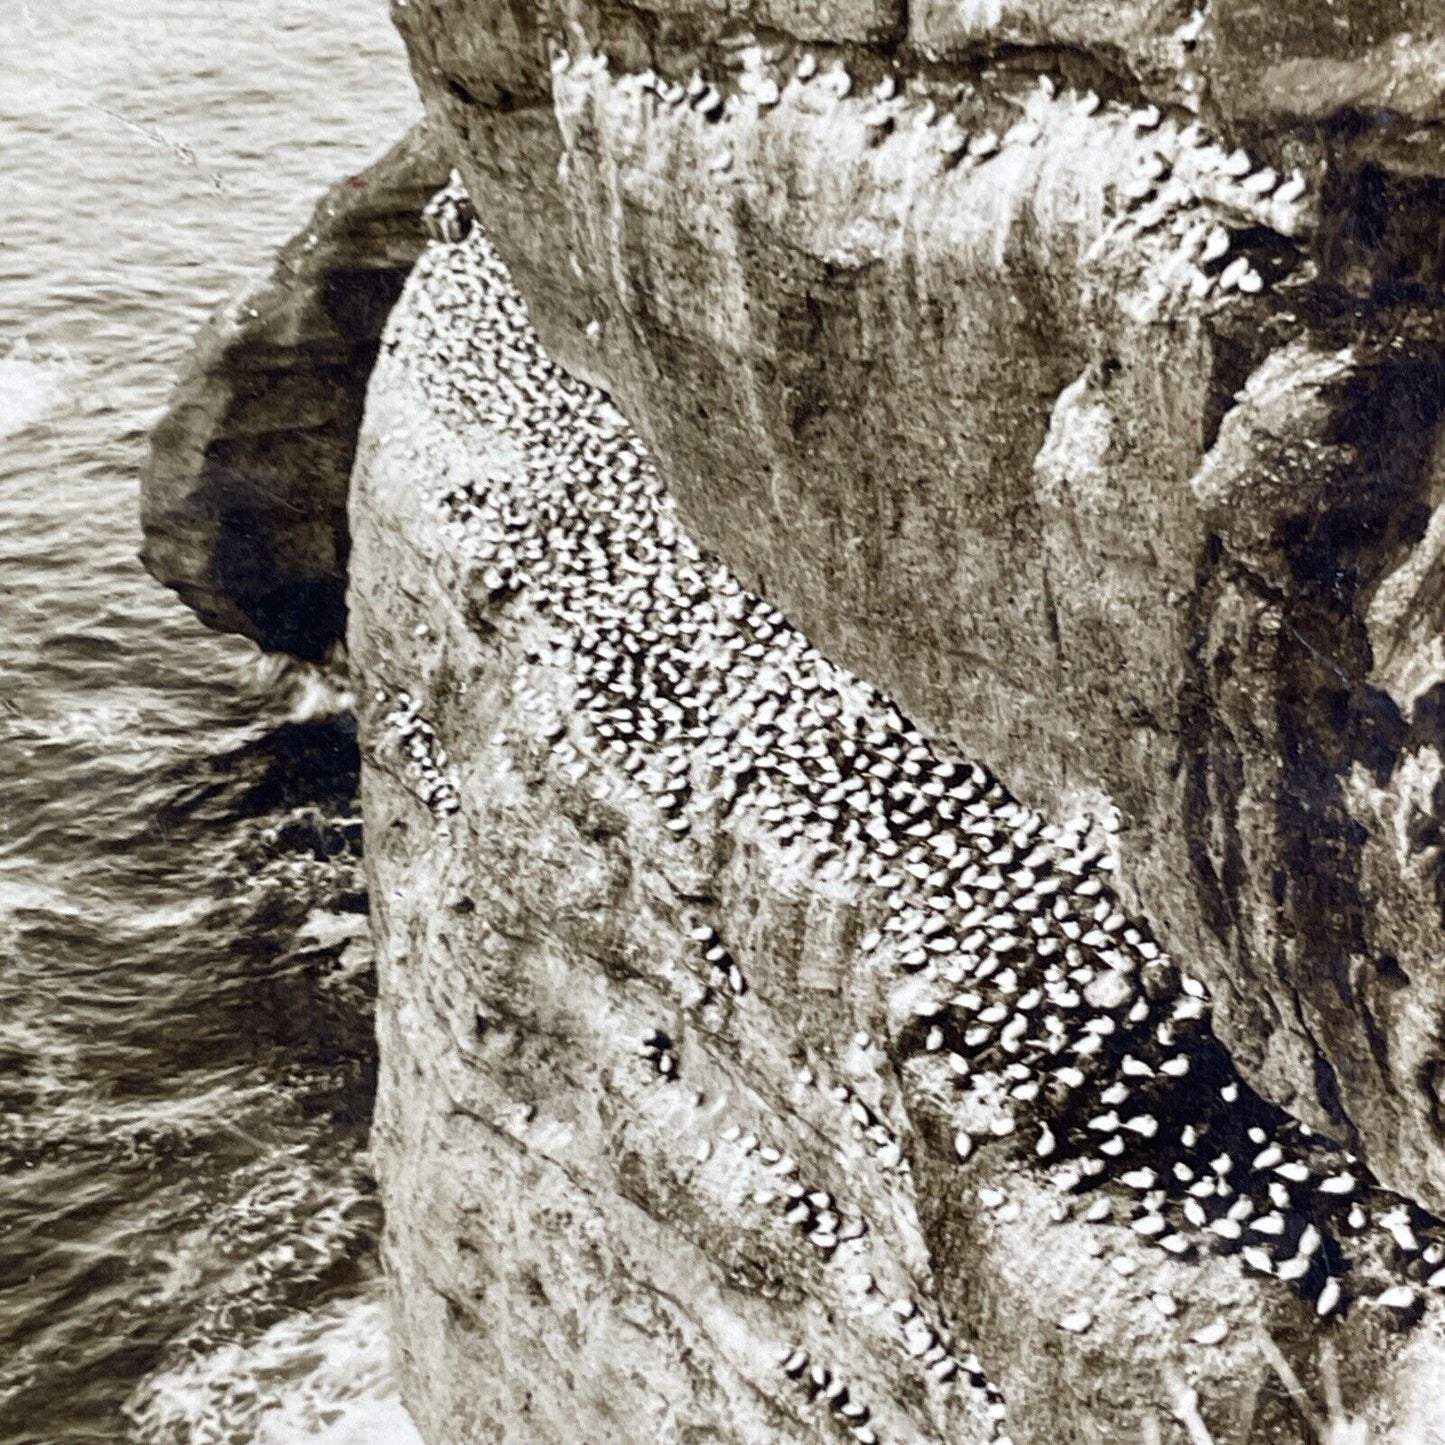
[(755, 1068), (244, 501), (1073, 371)]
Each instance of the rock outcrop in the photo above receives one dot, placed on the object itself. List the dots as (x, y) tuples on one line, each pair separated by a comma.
[(971, 337), (244, 501)]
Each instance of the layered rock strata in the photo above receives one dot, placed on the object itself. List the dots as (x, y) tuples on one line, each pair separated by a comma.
[(754, 1067), (244, 500), (1074, 372)]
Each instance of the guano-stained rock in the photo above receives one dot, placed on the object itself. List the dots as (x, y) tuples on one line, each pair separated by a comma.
[(634, 992), (949, 371)]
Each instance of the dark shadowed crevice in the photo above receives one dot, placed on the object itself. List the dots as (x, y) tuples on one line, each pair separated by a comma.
[(1380, 239), (243, 505), (1210, 791), (359, 299), (1331, 719), (1310, 671)]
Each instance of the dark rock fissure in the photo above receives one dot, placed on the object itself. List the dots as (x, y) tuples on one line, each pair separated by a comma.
[(1330, 718), (1210, 790)]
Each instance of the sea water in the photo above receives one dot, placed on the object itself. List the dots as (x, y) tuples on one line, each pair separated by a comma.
[(187, 1224)]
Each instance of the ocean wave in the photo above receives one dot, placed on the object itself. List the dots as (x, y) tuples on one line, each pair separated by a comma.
[(323, 1376), (29, 390), (309, 692), (185, 1070)]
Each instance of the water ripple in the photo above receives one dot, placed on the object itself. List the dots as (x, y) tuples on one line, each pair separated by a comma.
[(186, 1220)]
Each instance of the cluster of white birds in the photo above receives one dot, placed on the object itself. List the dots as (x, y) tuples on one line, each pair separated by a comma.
[(813, 1213), (819, 1383), (1183, 184), (425, 757), (768, 1178), (868, 1127), (842, 1240), (1054, 1018), (658, 1050), (1189, 187), (721, 966), (449, 216)]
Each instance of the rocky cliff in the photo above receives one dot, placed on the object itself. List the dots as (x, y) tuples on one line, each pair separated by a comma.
[(1082, 392), (754, 1066), (908, 888), (244, 502)]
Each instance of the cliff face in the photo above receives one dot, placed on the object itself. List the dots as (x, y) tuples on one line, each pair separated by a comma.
[(243, 504), (969, 336), (755, 1068)]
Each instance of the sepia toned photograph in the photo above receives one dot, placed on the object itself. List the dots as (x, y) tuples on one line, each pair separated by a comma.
[(722, 722)]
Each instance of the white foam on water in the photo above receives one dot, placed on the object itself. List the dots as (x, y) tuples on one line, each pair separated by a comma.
[(382, 1422), (318, 695), (28, 390), (322, 1376), (308, 691)]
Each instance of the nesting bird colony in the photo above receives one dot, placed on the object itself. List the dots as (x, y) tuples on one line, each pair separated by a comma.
[(1225, 218), (1066, 1034)]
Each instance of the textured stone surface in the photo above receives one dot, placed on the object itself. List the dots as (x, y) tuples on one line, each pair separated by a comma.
[(244, 501), (1327, 58), (1150, 39), (566, 1264), (971, 428)]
